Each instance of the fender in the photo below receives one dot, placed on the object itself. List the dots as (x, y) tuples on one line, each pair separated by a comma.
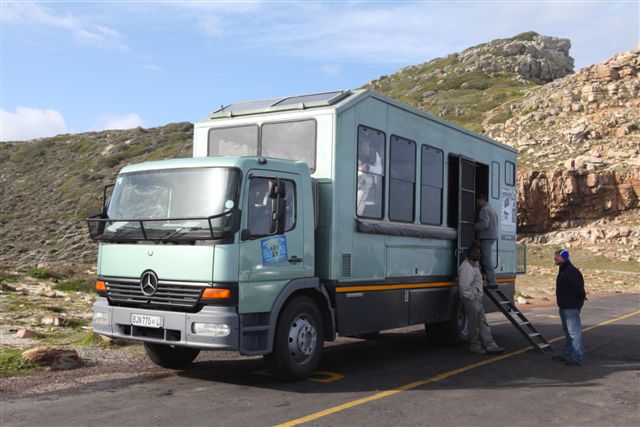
[(292, 287)]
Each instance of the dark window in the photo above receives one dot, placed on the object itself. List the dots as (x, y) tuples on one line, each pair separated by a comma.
[(495, 180), (431, 186), (370, 169), (402, 179), (262, 207), (233, 141), (510, 173), (290, 140)]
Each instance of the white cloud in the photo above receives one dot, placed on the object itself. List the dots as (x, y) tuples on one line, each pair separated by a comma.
[(411, 32), (120, 121), (28, 123), (29, 13)]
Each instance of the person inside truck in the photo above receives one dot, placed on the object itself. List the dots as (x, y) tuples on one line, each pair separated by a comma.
[(369, 172), (486, 227)]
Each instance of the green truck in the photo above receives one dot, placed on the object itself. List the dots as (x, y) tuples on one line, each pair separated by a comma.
[(297, 220)]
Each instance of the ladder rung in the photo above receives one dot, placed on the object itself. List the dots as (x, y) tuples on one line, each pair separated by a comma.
[(537, 334), (524, 323), (543, 346), (505, 302)]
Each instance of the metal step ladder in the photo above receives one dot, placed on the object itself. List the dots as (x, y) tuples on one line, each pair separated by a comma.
[(521, 323)]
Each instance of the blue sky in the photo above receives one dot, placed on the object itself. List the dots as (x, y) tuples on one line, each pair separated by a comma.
[(74, 66)]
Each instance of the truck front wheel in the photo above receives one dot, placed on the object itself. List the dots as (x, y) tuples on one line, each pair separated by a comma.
[(299, 340), (170, 357)]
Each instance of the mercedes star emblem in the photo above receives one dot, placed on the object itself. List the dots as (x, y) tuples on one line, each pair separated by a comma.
[(149, 283)]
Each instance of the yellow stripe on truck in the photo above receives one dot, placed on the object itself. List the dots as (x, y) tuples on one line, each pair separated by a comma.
[(344, 289)]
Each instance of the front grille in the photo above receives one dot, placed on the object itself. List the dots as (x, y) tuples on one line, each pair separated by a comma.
[(169, 294)]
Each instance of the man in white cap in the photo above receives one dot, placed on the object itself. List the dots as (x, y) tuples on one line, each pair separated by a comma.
[(471, 293)]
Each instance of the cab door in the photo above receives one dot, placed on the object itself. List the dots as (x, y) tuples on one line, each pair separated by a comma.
[(272, 238)]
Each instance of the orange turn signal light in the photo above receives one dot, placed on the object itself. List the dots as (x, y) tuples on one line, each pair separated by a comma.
[(216, 293), (101, 286)]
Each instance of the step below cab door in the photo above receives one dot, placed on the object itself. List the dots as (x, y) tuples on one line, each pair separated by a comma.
[(272, 238)]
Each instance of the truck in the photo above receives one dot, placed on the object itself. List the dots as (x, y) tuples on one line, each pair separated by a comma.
[(298, 220)]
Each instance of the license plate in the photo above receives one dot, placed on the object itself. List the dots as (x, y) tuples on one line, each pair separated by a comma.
[(146, 320)]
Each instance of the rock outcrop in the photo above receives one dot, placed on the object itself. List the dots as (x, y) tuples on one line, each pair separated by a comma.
[(558, 199), (530, 55)]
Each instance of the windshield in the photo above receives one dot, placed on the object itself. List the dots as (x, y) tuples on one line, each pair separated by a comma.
[(173, 204)]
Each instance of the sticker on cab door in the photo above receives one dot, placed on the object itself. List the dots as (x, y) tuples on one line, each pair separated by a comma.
[(274, 250)]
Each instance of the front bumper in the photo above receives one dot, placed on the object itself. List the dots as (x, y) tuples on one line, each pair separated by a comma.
[(115, 322)]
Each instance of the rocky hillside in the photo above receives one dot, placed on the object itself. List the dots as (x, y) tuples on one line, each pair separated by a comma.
[(48, 186), (464, 87), (586, 121), (578, 136)]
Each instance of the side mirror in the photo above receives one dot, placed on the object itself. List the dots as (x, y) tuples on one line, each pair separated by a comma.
[(276, 189), (107, 192)]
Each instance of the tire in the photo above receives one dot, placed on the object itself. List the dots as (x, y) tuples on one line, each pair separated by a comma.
[(455, 331), (298, 343), (170, 357)]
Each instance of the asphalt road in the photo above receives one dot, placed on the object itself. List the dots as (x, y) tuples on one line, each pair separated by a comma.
[(398, 379)]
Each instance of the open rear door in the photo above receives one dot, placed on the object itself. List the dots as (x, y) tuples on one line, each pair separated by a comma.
[(466, 205)]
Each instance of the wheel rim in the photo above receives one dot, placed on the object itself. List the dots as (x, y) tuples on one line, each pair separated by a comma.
[(303, 338), (463, 322)]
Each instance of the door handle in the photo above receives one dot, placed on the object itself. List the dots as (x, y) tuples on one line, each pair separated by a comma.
[(294, 260)]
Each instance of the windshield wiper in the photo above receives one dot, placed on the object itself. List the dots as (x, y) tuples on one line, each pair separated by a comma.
[(121, 231), (181, 232)]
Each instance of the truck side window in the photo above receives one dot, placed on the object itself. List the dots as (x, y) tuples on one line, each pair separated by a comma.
[(402, 179), (431, 186), (495, 180), (233, 141), (509, 173), (290, 140), (261, 206), (370, 169)]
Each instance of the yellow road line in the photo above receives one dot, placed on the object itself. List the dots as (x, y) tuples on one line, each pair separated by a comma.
[(433, 379)]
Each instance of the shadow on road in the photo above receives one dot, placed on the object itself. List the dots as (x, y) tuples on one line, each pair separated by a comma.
[(396, 358)]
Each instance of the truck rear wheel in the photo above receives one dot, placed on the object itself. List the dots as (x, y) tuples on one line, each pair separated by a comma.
[(299, 340), (453, 332), (170, 357)]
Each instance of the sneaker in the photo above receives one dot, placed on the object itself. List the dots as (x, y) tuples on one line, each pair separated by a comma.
[(495, 350), (559, 358), (573, 362), (477, 350)]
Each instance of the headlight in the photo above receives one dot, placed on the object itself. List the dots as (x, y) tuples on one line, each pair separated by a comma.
[(211, 329), (100, 318)]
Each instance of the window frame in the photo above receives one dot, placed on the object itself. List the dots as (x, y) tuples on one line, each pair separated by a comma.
[(315, 138), (258, 135), (384, 169), (498, 181), (415, 173), (295, 204), (513, 174), (427, 146)]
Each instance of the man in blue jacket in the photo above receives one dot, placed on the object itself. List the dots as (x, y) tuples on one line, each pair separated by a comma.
[(570, 296)]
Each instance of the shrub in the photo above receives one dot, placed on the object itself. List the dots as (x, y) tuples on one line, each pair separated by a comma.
[(38, 273)]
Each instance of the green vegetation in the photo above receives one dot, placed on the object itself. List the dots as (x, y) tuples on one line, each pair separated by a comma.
[(38, 273), (12, 363), (76, 285)]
